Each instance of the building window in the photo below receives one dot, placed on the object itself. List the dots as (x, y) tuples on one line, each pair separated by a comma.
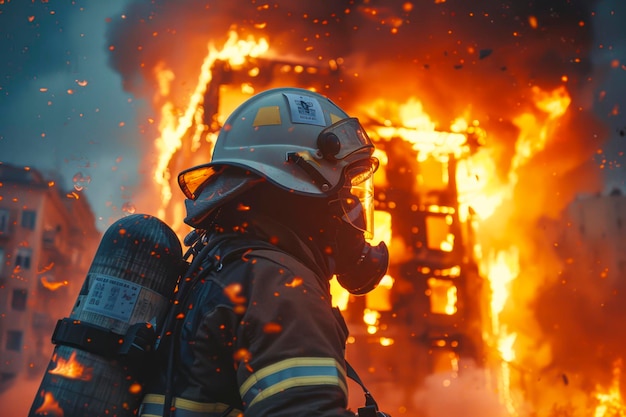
[(438, 232), (22, 258), (14, 340), (18, 302), (443, 296), (4, 221), (28, 219), (1, 260)]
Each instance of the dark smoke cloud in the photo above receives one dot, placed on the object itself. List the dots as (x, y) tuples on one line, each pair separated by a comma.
[(420, 42), (177, 32)]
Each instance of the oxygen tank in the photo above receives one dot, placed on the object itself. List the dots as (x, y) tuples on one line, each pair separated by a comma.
[(103, 350)]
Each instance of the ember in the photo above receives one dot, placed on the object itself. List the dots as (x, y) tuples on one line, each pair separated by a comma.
[(52, 285)]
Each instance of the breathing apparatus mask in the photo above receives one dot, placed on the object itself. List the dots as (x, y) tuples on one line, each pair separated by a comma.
[(359, 266)]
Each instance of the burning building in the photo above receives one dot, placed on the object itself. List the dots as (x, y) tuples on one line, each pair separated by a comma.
[(483, 118)]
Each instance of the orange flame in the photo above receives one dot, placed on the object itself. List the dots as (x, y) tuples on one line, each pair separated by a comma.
[(173, 128), (53, 286), (481, 191), (71, 368), (611, 403), (50, 406)]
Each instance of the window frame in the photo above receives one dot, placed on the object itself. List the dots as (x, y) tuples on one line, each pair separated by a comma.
[(23, 258), (28, 219)]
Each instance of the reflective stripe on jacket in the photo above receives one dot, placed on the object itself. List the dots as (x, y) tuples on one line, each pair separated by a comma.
[(152, 406)]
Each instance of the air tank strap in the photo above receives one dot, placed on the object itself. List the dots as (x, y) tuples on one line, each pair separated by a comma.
[(138, 340)]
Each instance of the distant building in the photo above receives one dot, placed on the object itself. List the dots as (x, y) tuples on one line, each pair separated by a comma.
[(47, 241)]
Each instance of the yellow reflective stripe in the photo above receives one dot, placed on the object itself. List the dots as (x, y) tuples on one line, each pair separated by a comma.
[(188, 405), (290, 373)]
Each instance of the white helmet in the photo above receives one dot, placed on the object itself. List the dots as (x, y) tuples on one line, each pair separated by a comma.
[(298, 140)]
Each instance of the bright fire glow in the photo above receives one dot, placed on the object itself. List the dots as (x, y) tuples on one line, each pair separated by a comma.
[(481, 191), (172, 127), (482, 194), (443, 296), (53, 286), (71, 368), (371, 318), (611, 403), (501, 268), (411, 123), (49, 407)]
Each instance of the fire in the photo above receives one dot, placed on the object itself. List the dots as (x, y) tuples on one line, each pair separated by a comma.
[(501, 268), (480, 191), (371, 318), (535, 129), (53, 286), (484, 194), (611, 403), (71, 368), (443, 296), (50, 406), (174, 127), (410, 122)]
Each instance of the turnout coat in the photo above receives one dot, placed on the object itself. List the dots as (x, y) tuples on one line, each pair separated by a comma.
[(256, 333)]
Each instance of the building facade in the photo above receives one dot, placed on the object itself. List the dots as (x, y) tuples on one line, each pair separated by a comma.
[(47, 241)]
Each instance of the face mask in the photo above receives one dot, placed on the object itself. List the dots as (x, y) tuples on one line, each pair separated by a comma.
[(365, 274), (359, 266)]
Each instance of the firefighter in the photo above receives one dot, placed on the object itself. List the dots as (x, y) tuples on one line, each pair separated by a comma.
[(284, 204)]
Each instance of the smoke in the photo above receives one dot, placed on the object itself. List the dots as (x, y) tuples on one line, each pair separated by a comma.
[(467, 394), (177, 33)]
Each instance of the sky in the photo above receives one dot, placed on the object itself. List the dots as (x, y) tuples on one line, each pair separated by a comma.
[(62, 107), (68, 103)]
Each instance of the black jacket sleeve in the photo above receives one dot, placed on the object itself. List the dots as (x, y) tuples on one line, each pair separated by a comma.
[(290, 345)]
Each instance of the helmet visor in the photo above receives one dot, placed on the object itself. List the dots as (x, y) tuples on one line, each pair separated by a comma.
[(350, 137), (191, 181), (357, 197)]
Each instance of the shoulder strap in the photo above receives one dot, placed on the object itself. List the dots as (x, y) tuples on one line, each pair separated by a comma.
[(371, 407), (207, 257)]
